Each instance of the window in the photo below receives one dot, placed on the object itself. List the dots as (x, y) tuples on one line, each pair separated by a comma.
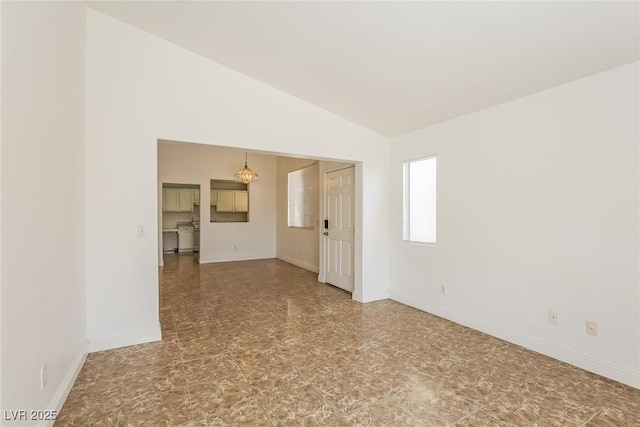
[(419, 222), (301, 197)]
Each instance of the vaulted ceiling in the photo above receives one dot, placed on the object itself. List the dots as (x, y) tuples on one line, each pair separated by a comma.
[(394, 67)]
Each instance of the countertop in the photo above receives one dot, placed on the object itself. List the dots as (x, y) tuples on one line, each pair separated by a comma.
[(180, 224)]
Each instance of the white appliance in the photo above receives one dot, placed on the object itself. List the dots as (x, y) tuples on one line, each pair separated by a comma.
[(185, 238)]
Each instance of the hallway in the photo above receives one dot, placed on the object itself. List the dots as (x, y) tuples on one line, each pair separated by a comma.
[(263, 343)]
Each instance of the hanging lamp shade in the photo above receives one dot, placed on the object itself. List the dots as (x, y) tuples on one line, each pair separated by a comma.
[(246, 174)]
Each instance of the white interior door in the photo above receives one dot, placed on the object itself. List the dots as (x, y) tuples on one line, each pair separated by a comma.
[(339, 236)]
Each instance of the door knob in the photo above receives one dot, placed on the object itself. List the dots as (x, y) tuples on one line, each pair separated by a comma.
[(326, 233)]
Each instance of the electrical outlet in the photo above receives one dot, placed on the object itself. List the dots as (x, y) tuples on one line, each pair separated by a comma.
[(553, 317), (44, 377), (443, 289), (592, 328)]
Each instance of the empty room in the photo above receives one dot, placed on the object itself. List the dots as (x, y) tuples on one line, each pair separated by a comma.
[(320, 213)]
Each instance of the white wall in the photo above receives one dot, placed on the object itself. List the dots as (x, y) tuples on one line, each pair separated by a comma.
[(141, 89), (43, 276), (296, 245), (1, 399), (181, 163), (537, 210)]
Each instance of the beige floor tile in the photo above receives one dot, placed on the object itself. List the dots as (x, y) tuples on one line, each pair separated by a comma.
[(262, 343), (146, 405), (285, 405), (516, 410), (73, 415), (226, 403), (212, 369), (624, 410), (384, 412)]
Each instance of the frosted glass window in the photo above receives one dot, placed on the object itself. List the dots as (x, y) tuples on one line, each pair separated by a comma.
[(301, 198), (420, 200)]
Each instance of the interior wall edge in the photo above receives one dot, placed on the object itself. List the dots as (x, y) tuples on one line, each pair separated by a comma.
[(110, 343)]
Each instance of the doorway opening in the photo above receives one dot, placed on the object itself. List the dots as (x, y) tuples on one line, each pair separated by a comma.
[(266, 229), (180, 218)]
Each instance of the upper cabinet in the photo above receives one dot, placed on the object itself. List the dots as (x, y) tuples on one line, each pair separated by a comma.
[(232, 201), (225, 201), (177, 199), (241, 201), (170, 200), (186, 200), (229, 201)]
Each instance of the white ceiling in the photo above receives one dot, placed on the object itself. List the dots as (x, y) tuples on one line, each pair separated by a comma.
[(394, 67)]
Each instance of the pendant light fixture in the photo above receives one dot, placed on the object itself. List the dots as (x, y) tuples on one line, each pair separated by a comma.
[(246, 174)]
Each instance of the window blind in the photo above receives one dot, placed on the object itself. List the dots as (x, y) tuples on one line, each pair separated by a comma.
[(301, 197), (420, 200)]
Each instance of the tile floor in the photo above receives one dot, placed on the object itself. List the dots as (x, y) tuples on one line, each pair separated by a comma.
[(262, 343)]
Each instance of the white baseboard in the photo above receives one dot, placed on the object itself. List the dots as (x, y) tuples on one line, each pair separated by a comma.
[(374, 297), (358, 296), (231, 259), (625, 376), (61, 394), (298, 263), (125, 340)]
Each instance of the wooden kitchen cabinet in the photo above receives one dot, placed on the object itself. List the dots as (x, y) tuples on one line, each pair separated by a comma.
[(232, 201), (177, 200), (186, 200), (241, 201), (170, 200), (225, 201), (229, 201)]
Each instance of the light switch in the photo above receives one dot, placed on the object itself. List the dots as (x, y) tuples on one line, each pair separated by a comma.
[(142, 231)]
